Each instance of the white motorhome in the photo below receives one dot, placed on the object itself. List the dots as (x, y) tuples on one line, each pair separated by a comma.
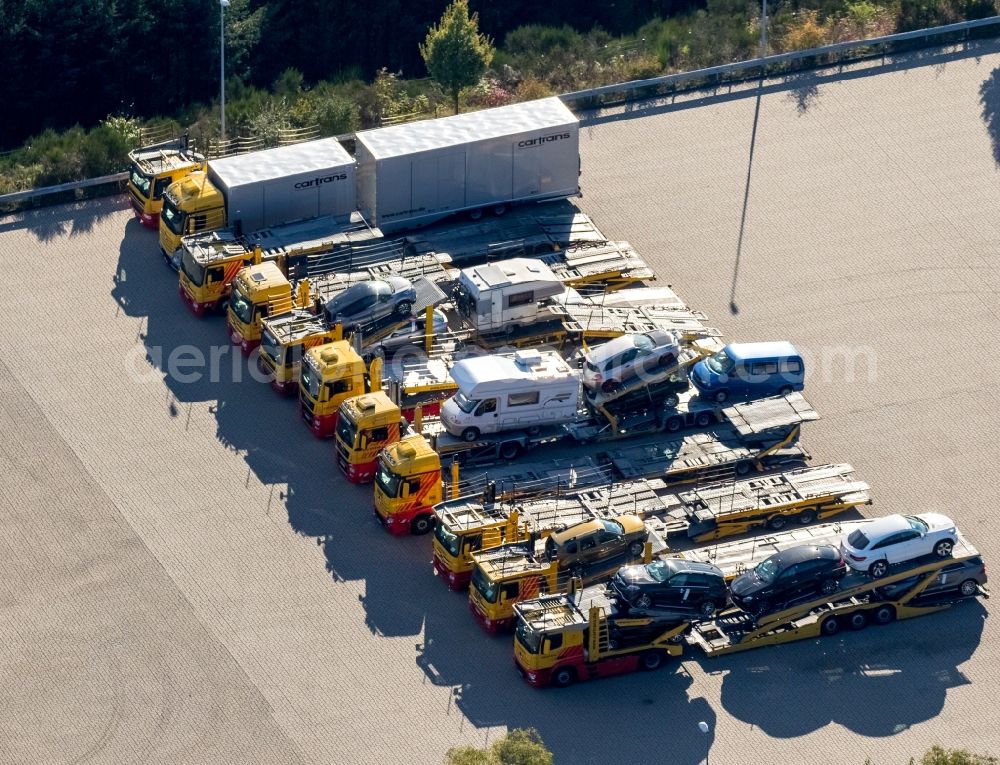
[(525, 391), (507, 294)]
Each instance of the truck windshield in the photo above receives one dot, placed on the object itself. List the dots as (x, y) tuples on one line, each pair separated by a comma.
[(464, 403), (172, 217), (720, 362), (241, 305), (310, 379), (270, 347), (140, 181), (386, 481), (448, 539), (192, 269), (485, 586), (347, 431), (527, 637)]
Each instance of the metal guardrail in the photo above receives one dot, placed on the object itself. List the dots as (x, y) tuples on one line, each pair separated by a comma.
[(619, 93), (19, 196)]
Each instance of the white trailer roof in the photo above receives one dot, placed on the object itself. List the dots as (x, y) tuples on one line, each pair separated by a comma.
[(280, 162), (461, 129), (506, 272), (529, 365)]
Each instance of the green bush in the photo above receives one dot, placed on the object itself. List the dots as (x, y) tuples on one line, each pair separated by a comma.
[(104, 151)]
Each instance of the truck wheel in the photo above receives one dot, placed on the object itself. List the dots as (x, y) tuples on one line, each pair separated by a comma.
[(510, 450), (421, 525), (784, 390), (830, 626), (674, 424), (475, 214), (403, 308), (720, 396), (857, 620), (743, 467), (534, 430), (806, 516), (499, 210), (651, 660), (704, 419), (776, 522), (563, 677), (470, 434), (883, 614)]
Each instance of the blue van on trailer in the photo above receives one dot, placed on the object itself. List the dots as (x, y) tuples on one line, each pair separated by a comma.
[(749, 370)]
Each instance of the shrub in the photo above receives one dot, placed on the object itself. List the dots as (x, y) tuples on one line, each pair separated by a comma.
[(104, 150), (529, 89), (805, 31)]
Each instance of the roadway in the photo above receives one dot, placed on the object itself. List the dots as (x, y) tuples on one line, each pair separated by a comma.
[(187, 578)]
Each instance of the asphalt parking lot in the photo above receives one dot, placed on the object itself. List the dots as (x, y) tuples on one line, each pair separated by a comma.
[(186, 578)]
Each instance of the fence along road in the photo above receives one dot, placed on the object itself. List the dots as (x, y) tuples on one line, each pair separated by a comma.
[(189, 580)]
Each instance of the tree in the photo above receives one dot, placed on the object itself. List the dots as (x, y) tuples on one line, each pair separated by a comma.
[(518, 747), (455, 53)]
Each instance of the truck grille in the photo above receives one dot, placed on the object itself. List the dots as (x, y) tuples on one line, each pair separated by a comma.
[(342, 456), (307, 409)]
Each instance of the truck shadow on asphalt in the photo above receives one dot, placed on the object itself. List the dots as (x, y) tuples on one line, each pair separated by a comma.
[(876, 683), (785, 693), (48, 223)]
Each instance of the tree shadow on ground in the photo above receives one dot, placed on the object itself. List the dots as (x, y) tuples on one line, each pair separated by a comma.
[(49, 223), (989, 97)]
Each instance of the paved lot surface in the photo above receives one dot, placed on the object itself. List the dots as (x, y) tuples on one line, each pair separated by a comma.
[(185, 578)]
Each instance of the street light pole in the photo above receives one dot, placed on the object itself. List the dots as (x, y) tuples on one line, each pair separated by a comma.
[(223, 4), (763, 28)]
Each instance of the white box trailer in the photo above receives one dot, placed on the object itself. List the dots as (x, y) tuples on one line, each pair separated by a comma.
[(285, 184), (413, 174)]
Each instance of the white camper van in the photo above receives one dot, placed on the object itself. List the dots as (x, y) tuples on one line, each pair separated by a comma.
[(506, 295), (521, 392)]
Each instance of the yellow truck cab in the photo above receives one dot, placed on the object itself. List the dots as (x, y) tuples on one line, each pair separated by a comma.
[(330, 374), (257, 292), (407, 486), (208, 266), (190, 205), (152, 169), (560, 639), (284, 339), (590, 551), (365, 425), (462, 529)]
